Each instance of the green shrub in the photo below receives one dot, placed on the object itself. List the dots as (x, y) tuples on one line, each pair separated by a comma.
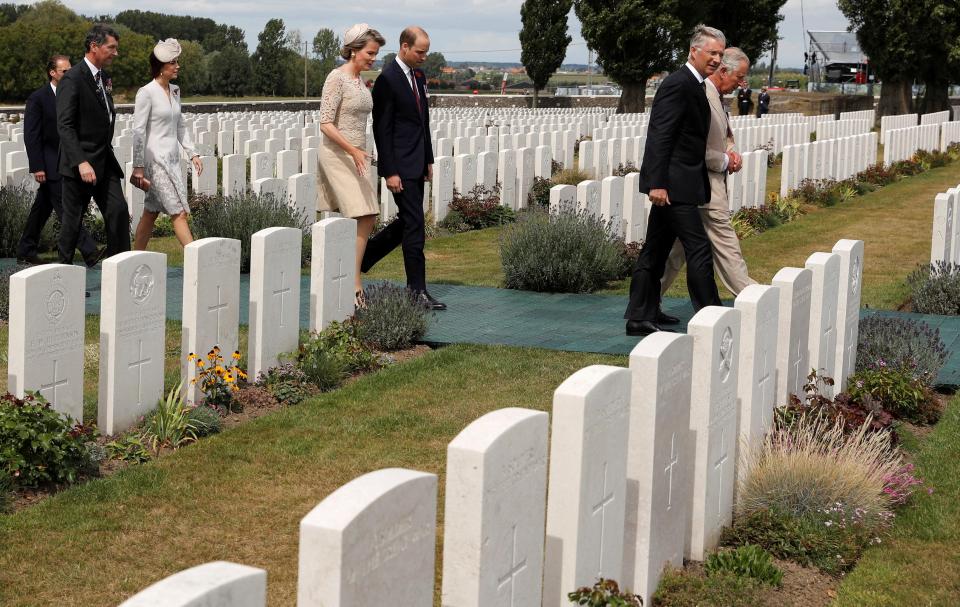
[(907, 168), (286, 383), (750, 561), (748, 221), (163, 226), (877, 175), (605, 593), (15, 203), (393, 318), (6, 491), (205, 420), (477, 209), (5, 275), (625, 168), (169, 425), (936, 289), (346, 340), (842, 409), (820, 192), (570, 177), (560, 252), (129, 448), (896, 390), (679, 588), (901, 343), (323, 364), (539, 196), (240, 217), (38, 445)]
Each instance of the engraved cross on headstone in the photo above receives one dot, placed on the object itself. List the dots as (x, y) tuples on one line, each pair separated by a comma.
[(718, 465), (282, 291), (510, 577), (139, 365), (53, 385), (601, 508), (221, 305), (797, 379), (668, 470), (339, 280)]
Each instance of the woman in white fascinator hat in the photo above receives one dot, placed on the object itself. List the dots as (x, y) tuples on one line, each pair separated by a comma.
[(343, 179), (159, 134)]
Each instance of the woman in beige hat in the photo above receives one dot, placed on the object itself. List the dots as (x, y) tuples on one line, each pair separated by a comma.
[(158, 135), (342, 178)]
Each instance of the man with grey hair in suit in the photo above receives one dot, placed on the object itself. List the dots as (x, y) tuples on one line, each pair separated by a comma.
[(721, 159)]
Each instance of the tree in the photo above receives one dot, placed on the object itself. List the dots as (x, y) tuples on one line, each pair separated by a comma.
[(326, 47), (633, 39), (224, 36), (193, 78), (752, 26), (228, 72), (543, 40), (268, 75), (387, 59), (434, 64)]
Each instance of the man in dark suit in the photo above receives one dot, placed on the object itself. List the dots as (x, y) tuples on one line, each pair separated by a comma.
[(401, 128), (674, 176), (43, 143), (85, 120), (744, 100), (763, 102)]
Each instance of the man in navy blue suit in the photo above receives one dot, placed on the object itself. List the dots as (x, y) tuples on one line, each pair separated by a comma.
[(674, 176), (401, 129), (43, 142)]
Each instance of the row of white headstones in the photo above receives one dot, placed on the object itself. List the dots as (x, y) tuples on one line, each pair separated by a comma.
[(46, 346), (945, 244), (642, 468), (827, 159)]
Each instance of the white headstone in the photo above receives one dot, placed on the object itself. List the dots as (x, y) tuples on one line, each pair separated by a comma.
[(659, 460), (507, 176), (270, 186), (288, 163), (525, 174), (133, 313), (465, 173), (211, 302), (442, 186), (563, 198), (45, 349), (635, 208), (261, 166), (848, 310), (332, 270), (588, 197), (371, 542), (793, 357), (588, 461), (487, 170), (494, 514), (206, 182), (822, 341), (234, 174), (713, 423), (274, 297), (611, 202), (302, 193), (207, 585)]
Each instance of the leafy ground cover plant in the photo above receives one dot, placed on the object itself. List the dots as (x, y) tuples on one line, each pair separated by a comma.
[(286, 383), (129, 448), (896, 390), (393, 318), (750, 561), (205, 420), (935, 288), (241, 216), (477, 209), (539, 196), (39, 446), (901, 343), (680, 588), (625, 168), (560, 252), (605, 593), (844, 409)]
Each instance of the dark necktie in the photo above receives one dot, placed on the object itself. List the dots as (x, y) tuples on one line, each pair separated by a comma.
[(103, 93), (416, 93)]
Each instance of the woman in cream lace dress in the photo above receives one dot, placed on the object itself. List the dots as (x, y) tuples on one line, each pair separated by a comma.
[(158, 135), (342, 177)]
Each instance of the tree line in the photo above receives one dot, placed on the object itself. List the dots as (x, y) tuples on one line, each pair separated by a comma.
[(909, 42)]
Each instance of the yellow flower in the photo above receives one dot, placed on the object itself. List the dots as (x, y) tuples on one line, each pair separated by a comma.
[(236, 355), (191, 356), (200, 363), (220, 370)]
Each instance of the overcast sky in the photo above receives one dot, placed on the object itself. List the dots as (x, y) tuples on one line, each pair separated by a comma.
[(463, 30)]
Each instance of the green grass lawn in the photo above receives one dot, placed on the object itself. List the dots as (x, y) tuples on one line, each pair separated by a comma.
[(920, 564), (239, 496)]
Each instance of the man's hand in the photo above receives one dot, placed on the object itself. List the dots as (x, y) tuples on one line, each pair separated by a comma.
[(735, 162), (659, 197), (429, 172), (87, 173), (394, 184), (40, 176)]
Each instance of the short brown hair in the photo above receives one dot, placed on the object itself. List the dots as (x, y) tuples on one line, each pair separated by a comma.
[(358, 44), (410, 34), (52, 64), (155, 65)]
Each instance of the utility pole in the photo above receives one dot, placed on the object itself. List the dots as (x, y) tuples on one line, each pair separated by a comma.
[(305, 69), (773, 62)]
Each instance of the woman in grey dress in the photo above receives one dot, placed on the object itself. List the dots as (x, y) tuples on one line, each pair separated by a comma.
[(158, 135)]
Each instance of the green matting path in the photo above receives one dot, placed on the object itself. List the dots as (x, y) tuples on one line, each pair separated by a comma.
[(557, 321)]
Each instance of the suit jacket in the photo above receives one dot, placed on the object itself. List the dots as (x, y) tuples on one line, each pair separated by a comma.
[(719, 142), (40, 134), (86, 130), (401, 128), (673, 158)]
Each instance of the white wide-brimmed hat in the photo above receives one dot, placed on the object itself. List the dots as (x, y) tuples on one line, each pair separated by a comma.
[(167, 50)]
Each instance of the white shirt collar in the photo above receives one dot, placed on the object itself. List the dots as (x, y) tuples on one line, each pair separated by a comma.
[(54, 87), (403, 66), (93, 69), (695, 72)]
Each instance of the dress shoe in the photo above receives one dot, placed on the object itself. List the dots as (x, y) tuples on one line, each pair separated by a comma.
[(428, 301), (86, 294), (642, 328), (666, 319), (96, 257), (30, 259)]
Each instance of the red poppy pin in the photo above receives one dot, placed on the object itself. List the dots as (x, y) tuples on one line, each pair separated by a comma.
[(108, 85)]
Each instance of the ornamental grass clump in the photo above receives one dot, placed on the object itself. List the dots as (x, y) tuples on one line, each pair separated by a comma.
[(241, 216), (811, 464), (15, 202), (901, 343), (393, 318), (750, 561), (936, 288), (170, 424), (560, 252)]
